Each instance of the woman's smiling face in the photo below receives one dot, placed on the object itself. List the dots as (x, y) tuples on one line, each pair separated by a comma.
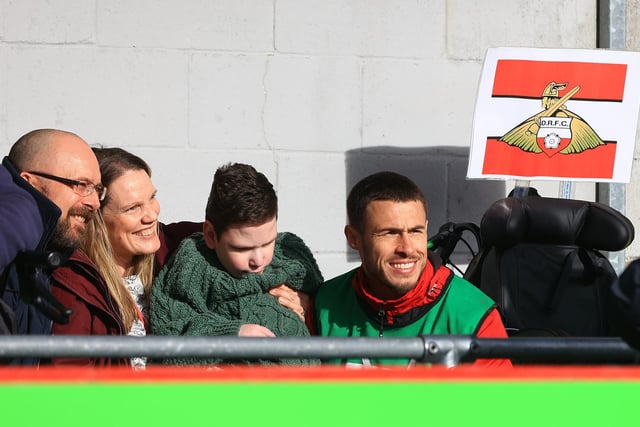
[(131, 217)]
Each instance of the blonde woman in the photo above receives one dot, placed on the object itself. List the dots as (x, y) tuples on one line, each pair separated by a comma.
[(125, 236)]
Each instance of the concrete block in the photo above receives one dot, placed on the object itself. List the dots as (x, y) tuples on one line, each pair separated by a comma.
[(493, 23), (313, 103), (3, 19), (183, 177), (425, 166), (312, 190), (332, 264), (48, 22), (633, 30), (419, 103), (109, 96), (224, 25), (469, 199), (406, 28), (226, 101)]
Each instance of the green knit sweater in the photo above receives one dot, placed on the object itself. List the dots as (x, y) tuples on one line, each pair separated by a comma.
[(194, 295)]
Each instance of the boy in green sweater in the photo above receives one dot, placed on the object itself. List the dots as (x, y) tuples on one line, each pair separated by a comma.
[(239, 276)]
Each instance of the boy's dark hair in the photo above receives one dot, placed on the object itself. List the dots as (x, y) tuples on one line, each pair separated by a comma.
[(240, 196), (380, 186)]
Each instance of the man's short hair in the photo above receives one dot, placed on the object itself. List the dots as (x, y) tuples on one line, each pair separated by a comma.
[(240, 196), (381, 186)]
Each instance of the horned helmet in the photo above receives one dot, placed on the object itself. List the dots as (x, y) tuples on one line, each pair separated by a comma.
[(550, 94)]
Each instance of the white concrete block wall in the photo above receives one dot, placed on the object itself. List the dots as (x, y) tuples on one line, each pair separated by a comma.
[(226, 101), (49, 22), (313, 104), (473, 26), (113, 96), (362, 28), (219, 25), (314, 93), (407, 103)]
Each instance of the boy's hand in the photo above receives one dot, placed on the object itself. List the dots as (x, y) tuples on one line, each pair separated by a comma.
[(296, 301), (253, 330)]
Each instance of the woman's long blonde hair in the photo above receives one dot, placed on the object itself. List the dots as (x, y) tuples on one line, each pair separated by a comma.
[(114, 162)]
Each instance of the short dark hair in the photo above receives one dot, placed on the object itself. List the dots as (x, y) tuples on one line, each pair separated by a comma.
[(239, 196), (381, 186)]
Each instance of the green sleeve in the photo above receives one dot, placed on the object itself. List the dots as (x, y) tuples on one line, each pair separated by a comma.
[(295, 250)]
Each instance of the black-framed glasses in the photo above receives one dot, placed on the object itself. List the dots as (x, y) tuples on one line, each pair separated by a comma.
[(81, 188)]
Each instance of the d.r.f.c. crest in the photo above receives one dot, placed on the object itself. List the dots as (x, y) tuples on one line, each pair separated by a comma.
[(555, 130), (554, 134)]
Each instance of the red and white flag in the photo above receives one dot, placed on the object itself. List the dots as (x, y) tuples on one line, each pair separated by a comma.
[(556, 114)]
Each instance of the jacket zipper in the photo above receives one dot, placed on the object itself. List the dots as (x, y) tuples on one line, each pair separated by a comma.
[(381, 317)]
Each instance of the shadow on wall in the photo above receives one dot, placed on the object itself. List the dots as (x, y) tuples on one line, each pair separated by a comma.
[(441, 174)]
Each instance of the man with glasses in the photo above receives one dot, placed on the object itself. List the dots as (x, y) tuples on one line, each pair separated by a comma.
[(61, 172)]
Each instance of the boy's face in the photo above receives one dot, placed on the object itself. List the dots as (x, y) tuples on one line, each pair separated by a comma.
[(245, 249)]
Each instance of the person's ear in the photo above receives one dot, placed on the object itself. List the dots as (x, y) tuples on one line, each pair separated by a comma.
[(353, 237), (29, 178), (210, 237), (34, 181)]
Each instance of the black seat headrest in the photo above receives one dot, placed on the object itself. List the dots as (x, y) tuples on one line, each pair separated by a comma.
[(553, 221)]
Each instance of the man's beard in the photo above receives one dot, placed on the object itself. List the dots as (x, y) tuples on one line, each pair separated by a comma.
[(67, 237)]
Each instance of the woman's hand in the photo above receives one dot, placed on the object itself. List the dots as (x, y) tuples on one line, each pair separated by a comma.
[(296, 301)]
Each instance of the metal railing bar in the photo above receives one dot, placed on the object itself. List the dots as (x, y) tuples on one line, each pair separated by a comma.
[(209, 347), (449, 350)]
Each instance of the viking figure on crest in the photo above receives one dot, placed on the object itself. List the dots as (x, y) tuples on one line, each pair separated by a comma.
[(556, 129)]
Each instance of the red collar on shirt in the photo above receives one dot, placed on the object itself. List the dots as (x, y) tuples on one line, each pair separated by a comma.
[(429, 287)]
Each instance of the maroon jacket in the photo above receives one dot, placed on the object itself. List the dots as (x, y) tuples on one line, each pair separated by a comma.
[(78, 285), (170, 237)]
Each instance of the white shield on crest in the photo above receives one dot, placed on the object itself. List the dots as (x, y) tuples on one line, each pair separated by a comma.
[(554, 134)]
